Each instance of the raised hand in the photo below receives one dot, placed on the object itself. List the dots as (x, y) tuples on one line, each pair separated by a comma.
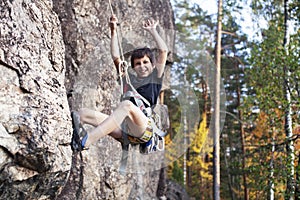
[(150, 24), (113, 22)]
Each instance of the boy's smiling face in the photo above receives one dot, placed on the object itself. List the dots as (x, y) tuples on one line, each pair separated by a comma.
[(143, 67)]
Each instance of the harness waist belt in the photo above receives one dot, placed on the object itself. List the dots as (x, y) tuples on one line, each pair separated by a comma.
[(157, 130)]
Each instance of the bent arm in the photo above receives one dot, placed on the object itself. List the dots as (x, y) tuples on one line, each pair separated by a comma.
[(163, 53), (160, 63)]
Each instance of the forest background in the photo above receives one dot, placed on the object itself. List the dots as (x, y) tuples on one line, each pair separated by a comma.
[(260, 75)]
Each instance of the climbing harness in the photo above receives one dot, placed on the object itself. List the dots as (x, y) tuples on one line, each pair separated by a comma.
[(140, 102), (153, 137)]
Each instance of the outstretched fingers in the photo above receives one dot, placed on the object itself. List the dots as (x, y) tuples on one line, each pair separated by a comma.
[(150, 24)]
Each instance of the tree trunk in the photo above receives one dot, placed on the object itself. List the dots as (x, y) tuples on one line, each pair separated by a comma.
[(297, 192), (185, 145), (242, 132), (271, 181), (290, 190), (216, 114)]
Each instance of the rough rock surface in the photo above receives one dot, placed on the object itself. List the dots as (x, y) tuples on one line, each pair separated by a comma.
[(35, 128), (54, 57), (175, 191)]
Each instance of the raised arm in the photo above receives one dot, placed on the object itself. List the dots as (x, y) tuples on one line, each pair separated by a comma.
[(150, 25), (114, 46)]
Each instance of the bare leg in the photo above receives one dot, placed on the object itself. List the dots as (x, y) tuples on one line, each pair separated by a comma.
[(91, 117), (126, 110), (94, 118)]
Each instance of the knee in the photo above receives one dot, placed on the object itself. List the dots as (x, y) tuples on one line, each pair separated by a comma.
[(126, 105), (83, 113)]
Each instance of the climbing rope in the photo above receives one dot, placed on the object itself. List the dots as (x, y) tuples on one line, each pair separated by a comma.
[(119, 42), (123, 66)]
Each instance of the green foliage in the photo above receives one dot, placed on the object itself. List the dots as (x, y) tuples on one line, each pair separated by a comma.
[(177, 173), (267, 75), (266, 78)]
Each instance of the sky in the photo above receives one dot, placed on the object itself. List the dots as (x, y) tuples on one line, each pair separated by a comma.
[(211, 6), (247, 25)]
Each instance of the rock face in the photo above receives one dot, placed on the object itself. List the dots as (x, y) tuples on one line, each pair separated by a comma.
[(35, 127), (55, 57), (176, 191)]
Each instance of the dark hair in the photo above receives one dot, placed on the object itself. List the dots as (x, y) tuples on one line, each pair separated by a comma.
[(140, 53)]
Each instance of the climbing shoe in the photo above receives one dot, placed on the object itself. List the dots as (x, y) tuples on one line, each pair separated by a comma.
[(79, 133)]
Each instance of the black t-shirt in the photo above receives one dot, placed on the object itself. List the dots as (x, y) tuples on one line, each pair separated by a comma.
[(149, 87)]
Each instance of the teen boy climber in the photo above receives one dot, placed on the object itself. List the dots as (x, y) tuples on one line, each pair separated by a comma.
[(147, 82)]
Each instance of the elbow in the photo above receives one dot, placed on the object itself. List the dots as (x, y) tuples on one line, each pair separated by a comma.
[(114, 57), (164, 50)]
